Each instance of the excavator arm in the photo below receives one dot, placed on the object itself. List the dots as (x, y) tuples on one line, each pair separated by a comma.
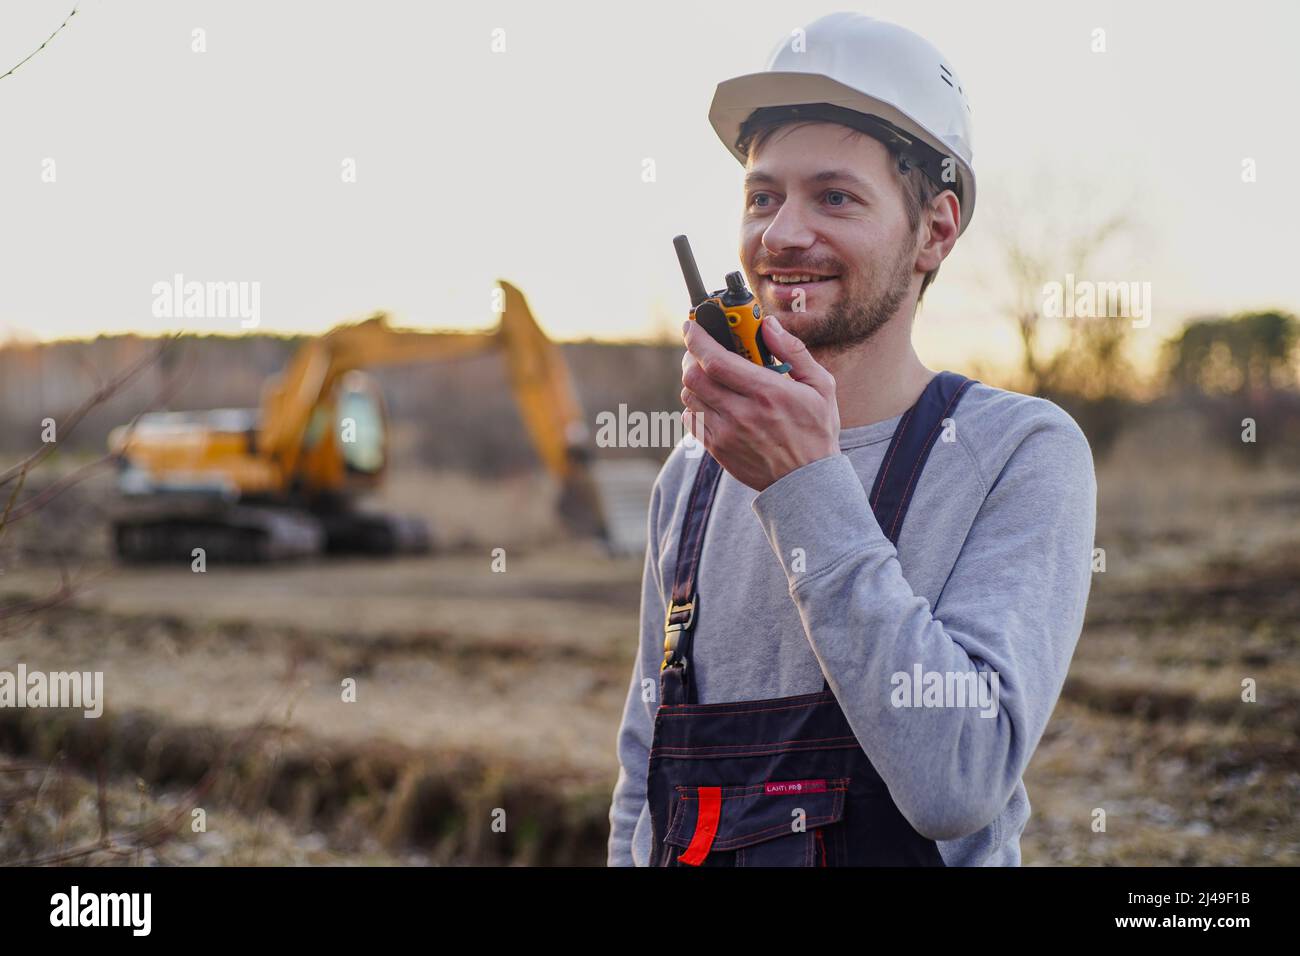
[(539, 378), (291, 398)]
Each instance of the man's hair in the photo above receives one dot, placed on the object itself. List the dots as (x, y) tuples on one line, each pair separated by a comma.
[(918, 188)]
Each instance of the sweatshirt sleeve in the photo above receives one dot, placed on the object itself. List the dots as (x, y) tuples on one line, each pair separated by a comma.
[(1013, 605), (637, 729)]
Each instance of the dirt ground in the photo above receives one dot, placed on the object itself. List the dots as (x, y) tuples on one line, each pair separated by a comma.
[(481, 694)]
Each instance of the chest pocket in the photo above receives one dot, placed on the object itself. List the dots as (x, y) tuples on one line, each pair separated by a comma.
[(760, 825)]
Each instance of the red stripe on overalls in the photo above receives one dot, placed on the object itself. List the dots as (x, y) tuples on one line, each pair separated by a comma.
[(706, 826)]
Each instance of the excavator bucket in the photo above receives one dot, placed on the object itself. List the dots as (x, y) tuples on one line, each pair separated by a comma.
[(552, 413)]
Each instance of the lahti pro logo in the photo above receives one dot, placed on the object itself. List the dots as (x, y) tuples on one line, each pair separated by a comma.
[(179, 299)]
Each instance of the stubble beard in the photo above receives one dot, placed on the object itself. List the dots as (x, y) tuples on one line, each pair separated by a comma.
[(851, 320)]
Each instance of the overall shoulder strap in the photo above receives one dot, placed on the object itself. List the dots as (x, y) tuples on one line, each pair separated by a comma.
[(679, 623), (917, 431)]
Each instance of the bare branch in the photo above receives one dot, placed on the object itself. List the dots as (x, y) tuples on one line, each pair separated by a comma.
[(98, 397), (43, 45), (68, 587)]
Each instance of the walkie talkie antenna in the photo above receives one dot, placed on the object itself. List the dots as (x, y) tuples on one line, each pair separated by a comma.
[(690, 271)]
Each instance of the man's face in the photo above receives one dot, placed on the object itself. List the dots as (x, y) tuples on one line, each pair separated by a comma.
[(824, 202)]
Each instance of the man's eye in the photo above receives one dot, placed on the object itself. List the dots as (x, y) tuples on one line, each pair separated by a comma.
[(832, 195), (759, 200)]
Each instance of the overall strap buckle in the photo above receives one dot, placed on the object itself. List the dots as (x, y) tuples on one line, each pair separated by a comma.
[(673, 629)]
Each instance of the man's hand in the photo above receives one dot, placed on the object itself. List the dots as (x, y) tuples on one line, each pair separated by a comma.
[(759, 426)]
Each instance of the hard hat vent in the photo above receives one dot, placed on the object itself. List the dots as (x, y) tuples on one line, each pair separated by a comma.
[(946, 75)]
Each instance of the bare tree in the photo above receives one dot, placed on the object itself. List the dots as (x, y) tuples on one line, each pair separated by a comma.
[(1043, 233)]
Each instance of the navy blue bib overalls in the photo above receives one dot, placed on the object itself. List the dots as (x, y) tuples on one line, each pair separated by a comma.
[(779, 782)]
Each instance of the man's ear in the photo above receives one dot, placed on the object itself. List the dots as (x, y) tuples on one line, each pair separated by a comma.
[(939, 234)]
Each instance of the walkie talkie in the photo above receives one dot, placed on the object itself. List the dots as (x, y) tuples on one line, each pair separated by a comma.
[(731, 315)]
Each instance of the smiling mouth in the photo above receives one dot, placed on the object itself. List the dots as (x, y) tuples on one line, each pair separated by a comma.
[(797, 278)]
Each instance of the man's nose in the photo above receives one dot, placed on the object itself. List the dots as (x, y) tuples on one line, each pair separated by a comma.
[(789, 229)]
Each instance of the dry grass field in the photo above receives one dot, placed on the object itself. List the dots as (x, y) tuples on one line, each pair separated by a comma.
[(476, 693)]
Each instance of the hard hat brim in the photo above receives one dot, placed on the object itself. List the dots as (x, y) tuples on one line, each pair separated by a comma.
[(737, 98)]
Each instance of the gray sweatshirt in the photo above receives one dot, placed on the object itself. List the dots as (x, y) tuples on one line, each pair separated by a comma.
[(991, 575)]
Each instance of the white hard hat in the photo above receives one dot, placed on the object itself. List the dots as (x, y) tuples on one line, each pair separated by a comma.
[(851, 67)]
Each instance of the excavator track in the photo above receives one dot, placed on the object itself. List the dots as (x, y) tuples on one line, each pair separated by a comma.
[(227, 534), (361, 532)]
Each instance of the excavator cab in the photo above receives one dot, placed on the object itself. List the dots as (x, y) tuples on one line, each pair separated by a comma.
[(345, 443), (363, 425)]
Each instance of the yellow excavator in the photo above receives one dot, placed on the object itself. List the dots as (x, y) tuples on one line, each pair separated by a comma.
[(284, 480)]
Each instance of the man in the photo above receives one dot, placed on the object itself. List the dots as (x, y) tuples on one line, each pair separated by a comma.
[(820, 682)]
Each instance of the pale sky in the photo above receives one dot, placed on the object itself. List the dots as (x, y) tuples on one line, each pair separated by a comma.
[(527, 164)]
